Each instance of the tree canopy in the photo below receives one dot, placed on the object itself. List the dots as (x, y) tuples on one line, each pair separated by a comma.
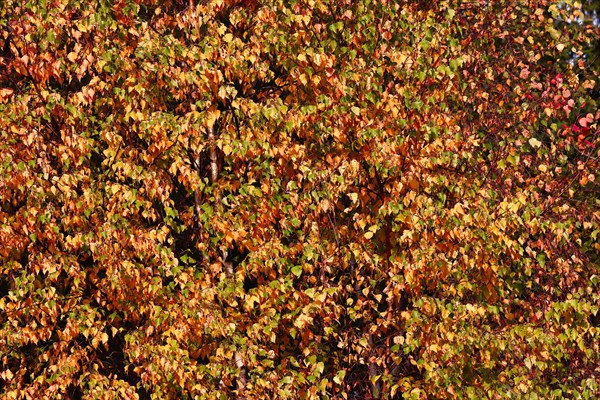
[(298, 199)]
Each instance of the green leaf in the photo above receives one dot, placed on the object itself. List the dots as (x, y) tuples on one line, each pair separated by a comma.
[(297, 270), (425, 44), (339, 377)]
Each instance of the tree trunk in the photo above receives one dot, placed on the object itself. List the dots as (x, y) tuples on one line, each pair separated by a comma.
[(214, 174)]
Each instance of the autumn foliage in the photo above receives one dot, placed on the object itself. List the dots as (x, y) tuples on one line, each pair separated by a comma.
[(303, 199)]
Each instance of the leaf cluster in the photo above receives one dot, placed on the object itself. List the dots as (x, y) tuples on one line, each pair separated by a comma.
[(298, 199)]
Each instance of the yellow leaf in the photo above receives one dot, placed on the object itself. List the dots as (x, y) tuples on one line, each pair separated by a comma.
[(5, 93), (368, 235), (317, 59), (361, 223), (458, 210), (250, 301), (8, 375), (212, 116), (535, 143)]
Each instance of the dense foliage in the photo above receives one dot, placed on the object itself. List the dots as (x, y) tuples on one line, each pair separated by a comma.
[(591, 16), (298, 199)]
